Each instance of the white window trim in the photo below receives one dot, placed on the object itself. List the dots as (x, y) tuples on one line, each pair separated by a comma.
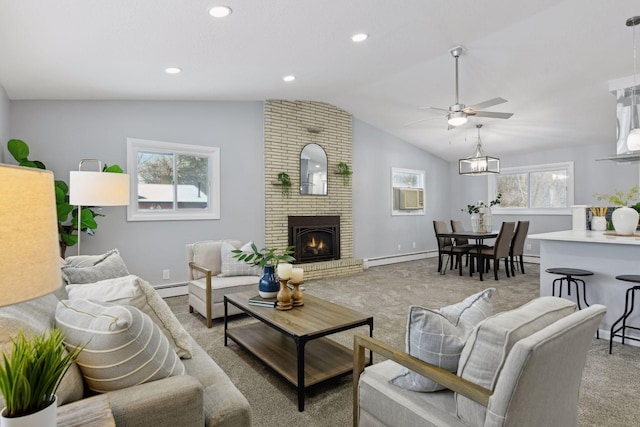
[(497, 210), (413, 212), (213, 153)]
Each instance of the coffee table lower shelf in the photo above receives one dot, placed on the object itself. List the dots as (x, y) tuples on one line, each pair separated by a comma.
[(324, 359)]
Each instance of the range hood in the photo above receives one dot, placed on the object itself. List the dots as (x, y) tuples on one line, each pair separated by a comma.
[(623, 90)]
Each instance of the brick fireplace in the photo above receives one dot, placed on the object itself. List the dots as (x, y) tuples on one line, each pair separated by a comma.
[(287, 129)]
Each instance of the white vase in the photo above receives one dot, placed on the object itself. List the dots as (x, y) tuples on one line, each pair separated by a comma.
[(598, 223), (475, 222), (625, 220), (43, 418), (487, 219)]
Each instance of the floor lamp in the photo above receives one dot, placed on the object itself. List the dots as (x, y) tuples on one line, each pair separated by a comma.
[(29, 248), (96, 188)]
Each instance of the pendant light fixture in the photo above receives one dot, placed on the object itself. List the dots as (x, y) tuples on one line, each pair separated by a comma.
[(633, 139), (479, 163)]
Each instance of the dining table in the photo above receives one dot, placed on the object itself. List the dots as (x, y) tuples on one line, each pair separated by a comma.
[(478, 236)]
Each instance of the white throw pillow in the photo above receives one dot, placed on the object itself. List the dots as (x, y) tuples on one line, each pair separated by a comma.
[(438, 337), (232, 267), (132, 290), (122, 345)]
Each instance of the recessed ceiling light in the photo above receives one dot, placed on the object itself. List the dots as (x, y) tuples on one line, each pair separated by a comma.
[(360, 37), (172, 70), (289, 78), (220, 11)]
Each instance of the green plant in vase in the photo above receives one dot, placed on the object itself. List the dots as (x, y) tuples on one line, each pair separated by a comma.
[(268, 259), (285, 181), (31, 373), (624, 218), (343, 169)]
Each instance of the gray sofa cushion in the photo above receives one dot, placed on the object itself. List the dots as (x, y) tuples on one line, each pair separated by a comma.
[(489, 345), (438, 336), (122, 345), (107, 266)]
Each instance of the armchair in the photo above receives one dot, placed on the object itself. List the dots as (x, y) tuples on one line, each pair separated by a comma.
[(537, 383)]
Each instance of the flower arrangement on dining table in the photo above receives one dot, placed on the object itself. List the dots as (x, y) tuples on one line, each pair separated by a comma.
[(471, 209)]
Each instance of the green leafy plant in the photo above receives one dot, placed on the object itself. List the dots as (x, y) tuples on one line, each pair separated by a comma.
[(343, 169), (67, 214), (31, 374), (264, 256), (471, 209), (619, 198), (285, 180)]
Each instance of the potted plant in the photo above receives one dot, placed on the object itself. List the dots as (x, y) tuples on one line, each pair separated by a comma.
[(66, 226), (343, 169), (268, 259), (481, 214), (30, 376), (285, 181), (624, 219)]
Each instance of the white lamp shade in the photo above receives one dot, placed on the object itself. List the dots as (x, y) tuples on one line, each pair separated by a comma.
[(98, 188), (29, 248)]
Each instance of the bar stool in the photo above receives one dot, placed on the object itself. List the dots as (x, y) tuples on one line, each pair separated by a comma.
[(569, 275), (628, 308)]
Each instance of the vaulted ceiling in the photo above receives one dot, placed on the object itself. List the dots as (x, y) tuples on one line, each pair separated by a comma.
[(551, 60)]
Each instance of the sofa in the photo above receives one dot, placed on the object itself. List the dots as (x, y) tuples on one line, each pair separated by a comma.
[(199, 393), (214, 273), (521, 367)]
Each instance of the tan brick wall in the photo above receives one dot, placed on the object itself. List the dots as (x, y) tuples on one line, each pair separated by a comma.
[(286, 125)]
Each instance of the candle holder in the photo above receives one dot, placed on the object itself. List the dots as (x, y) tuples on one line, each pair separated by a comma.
[(284, 296), (297, 295)]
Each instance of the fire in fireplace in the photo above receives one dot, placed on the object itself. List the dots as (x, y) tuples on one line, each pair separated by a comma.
[(315, 238)]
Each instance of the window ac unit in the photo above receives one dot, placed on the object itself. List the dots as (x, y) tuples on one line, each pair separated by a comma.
[(409, 198)]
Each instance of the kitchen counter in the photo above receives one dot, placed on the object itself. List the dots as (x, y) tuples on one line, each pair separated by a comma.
[(607, 256)]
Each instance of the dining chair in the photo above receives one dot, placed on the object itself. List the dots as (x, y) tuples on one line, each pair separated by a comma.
[(517, 246), (498, 251), (457, 226), (446, 247)]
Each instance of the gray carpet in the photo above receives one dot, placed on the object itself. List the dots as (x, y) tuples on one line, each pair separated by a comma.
[(609, 392)]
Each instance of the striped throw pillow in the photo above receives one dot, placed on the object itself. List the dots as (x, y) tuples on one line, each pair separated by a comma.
[(123, 347)]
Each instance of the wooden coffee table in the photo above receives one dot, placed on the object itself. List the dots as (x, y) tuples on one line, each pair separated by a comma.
[(293, 343)]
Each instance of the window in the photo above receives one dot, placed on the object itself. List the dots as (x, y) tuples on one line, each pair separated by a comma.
[(407, 192), (541, 189), (172, 181)]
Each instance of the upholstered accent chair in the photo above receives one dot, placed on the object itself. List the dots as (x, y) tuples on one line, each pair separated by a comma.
[(214, 273), (518, 368), (517, 246)]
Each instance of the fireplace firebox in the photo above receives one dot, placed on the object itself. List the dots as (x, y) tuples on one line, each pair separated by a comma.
[(315, 238)]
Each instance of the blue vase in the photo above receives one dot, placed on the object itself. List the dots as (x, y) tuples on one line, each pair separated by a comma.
[(268, 286)]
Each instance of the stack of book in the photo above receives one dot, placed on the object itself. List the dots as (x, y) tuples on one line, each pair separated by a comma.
[(263, 302)]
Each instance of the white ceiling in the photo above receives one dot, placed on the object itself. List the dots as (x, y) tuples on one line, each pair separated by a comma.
[(551, 60)]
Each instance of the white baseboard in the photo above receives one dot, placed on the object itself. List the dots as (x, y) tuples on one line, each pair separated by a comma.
[(172, 290), (393, 259)]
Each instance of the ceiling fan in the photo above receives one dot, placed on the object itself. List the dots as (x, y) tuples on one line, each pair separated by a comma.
[(457, 113)]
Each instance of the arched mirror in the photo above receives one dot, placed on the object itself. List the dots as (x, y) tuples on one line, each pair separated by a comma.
[(313, 170)]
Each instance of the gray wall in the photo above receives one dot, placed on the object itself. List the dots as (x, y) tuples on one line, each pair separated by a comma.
[(591, 177), (376, 232), (4, 120), (61, 133)]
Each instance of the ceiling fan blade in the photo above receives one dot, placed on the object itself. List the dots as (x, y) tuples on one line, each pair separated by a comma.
[(434, 108), (485, 104), (492, 114)]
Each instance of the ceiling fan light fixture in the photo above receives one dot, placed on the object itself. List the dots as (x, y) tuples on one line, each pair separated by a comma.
[(457, 118), (479, 163)]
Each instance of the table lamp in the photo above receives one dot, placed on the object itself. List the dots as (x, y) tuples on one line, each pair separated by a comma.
[(96, 188), (29, 248)]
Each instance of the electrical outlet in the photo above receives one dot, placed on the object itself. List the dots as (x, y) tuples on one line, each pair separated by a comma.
[(166, 274), (414, 245), (528, 246)]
